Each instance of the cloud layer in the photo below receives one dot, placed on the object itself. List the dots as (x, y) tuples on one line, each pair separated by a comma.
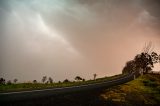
[(62, 39)]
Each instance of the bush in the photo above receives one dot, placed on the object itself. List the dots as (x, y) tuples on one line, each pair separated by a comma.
[(145, 82), (2, 81), (66, 81), (158, 88), (150, 83), (153, 84)]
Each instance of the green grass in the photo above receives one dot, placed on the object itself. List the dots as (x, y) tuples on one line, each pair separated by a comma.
[(32, 86), (144, 90)]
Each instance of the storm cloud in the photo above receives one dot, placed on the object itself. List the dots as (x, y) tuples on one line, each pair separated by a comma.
[(65, 38)]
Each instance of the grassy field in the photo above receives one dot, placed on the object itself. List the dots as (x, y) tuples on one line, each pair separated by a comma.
[(143, 91), (32, 86)]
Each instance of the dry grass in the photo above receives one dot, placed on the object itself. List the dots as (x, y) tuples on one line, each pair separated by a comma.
[(143, 91)]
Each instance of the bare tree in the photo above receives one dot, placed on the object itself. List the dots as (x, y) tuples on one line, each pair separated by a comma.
[(148, 47), (44, 79)]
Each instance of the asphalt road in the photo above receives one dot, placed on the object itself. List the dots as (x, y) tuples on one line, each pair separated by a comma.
[(27, 95)]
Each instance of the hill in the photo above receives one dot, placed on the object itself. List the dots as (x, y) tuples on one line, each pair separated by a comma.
[(144, 90)]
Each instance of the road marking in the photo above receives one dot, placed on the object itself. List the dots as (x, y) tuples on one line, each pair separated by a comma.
[(94, 84)]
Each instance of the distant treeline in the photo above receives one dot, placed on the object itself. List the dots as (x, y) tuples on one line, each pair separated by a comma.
[(46, 80)]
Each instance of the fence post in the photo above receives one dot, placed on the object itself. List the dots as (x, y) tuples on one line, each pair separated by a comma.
[(134, 76)]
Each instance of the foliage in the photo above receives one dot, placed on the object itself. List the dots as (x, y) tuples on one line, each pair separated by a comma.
[(130, 67), (66, 81), (50, 80), (44, 79), (144, 90), (15, 80), (2, 81), (36, 85), (144, 61), (34, 81), (78, 78)]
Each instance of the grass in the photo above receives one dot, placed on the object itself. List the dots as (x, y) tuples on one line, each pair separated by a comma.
[(144, 90), (32, 86)]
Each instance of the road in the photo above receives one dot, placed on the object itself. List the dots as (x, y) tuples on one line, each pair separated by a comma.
[(27, 95)]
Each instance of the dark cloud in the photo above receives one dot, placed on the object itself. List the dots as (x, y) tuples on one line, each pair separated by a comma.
[(4, 5), (153, 7)]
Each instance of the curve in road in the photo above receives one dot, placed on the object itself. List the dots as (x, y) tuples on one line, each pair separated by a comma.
[(26, 95)]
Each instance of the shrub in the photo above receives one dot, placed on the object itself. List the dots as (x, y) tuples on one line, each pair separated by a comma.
[(150, 83), (66, 81), (2, 81)]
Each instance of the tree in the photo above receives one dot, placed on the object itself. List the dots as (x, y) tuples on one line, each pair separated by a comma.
[(94, 76), (50, 80), (129, 67), (2, 81), (144, 61), (44, 79), (78, 78), (66, 81), (15, 80), (148, 47), (83, 79), (34, 81), (148, 58)]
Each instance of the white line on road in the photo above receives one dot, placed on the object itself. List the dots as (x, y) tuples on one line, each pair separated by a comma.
[(18, 92)]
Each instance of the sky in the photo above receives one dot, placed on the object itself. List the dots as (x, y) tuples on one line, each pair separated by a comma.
[(65, 38)]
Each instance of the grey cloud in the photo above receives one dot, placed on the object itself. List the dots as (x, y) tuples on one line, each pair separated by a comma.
[(65, 38), (153, 7)]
